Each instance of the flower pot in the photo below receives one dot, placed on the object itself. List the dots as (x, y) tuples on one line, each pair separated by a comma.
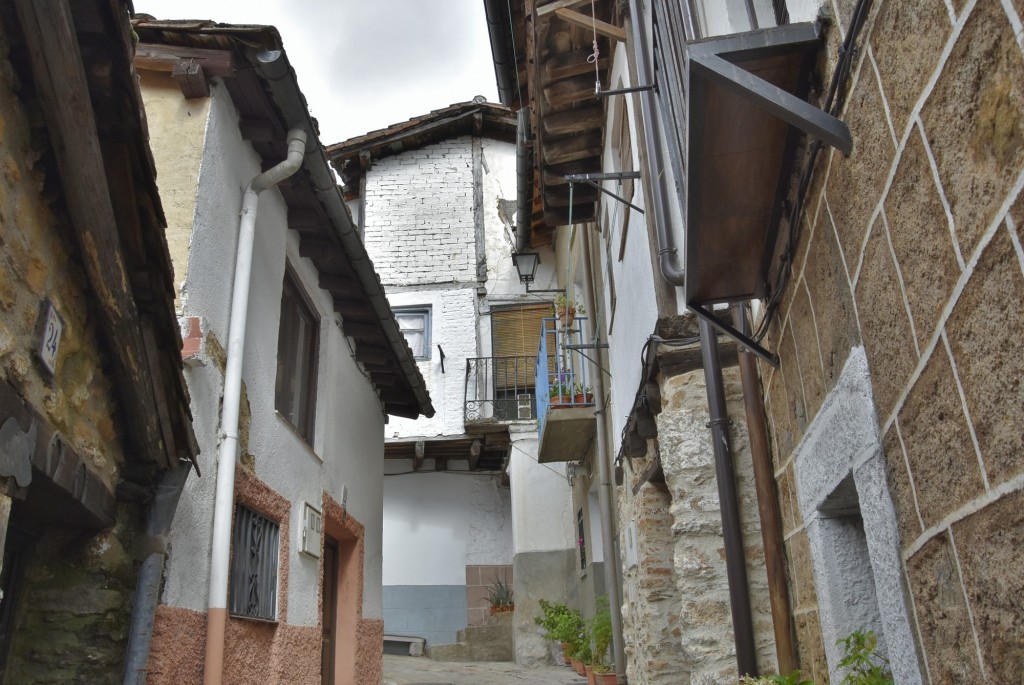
[(566, 315), (577, 666), (502, 609), (590, 674), (606, 679), (560, 402)]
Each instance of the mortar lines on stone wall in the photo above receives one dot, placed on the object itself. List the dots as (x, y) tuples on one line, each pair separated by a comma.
[(967, 603), (1012, 226), (906, 464), (887, 232), (966, 410), (915, 624), (954, 297), (975, 505), (946, 207), (1015, 22), (885, 102), (913, 118)]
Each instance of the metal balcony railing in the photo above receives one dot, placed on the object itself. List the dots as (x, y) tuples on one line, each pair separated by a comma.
[(562, 379), (500, 389)]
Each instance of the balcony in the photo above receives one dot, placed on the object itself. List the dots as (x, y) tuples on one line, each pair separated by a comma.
[(499, 390), (565, 408)]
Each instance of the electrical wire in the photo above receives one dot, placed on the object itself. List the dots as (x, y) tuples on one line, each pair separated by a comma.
[(834, 102)]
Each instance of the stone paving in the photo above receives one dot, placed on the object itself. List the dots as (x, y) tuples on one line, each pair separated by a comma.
[(419, 670)]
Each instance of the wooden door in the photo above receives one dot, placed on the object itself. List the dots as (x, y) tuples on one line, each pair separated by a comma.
[(330, 611)]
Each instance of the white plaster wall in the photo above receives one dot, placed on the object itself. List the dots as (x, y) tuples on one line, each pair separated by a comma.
[(435, 523), (636, 310), (542, 516), (844, 438), (348, 442), (453, 327), (420, 226)]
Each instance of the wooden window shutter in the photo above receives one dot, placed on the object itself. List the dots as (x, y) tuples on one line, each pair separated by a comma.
[(515, 332)]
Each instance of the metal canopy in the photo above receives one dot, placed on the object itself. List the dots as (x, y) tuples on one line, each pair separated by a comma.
[(746, 102)]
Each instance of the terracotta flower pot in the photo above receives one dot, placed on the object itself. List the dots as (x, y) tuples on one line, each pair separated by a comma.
[(565, 654), (577, 666), (605, 679), (590, 674)]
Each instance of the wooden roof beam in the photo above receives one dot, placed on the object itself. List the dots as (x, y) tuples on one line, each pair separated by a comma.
[(603, 28)]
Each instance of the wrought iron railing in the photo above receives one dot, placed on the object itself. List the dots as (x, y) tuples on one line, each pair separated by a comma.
[(500, 389), (562, 379)]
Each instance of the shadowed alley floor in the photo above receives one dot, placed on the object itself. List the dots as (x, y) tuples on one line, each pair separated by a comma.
[(412, 670)]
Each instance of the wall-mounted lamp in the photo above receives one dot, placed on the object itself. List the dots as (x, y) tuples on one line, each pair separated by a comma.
[(526, 265)]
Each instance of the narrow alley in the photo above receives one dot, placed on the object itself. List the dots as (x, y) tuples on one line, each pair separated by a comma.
[(688, 353)]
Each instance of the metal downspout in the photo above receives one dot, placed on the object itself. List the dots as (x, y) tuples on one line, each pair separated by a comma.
[(767, 503), (673, 272), (217, 600), (524, 180), (668, 249), (725, 474), (147, 588), (612, 571)]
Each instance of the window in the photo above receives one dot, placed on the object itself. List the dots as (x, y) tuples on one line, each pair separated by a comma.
[(581, 541), (297, 351), (254, 559), (414, 322)]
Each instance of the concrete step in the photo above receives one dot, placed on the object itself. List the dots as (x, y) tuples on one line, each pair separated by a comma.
[(489, 642)]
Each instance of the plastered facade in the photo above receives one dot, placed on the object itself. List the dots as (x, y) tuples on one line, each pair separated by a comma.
[(343, 460)]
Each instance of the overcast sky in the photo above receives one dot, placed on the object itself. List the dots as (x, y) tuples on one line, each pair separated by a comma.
[(366, 64)]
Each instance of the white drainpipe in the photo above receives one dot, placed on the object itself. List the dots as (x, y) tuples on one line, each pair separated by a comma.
[(217, 615)]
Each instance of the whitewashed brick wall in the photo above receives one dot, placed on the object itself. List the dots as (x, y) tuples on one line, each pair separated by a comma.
[(419, 215)]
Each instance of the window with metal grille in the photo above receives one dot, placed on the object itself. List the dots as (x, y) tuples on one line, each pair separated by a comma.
[(414, 322), (298, 345), (581, 542), (254, 560)]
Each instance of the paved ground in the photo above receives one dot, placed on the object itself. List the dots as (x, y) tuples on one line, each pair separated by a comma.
[(419, 670)]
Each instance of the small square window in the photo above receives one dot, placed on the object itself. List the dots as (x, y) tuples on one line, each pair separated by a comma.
[(297, 351), (255, 543), (414, 322)]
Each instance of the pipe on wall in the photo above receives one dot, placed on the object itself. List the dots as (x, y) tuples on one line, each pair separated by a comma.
[(612, 570), (217, 612), (147, 587), (767, 503), (725, 475), (524, 180), (669, 258)]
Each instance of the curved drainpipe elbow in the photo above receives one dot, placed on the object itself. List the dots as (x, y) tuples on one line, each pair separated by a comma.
[(668, 250)]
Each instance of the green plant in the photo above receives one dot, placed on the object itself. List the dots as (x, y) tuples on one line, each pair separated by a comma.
[(562, 301), (499, 594), (600, 629), (863, 665), (560, 623), (791, 679), (580, 389), (560, 390)]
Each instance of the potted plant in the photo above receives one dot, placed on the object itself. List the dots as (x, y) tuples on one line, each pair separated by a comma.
[(582, 394), (600, 628), (567, 309), (560, 392), (500, 597), (561, 624)]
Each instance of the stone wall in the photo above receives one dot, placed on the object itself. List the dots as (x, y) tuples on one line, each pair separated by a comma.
[(677, 617), (74, 604), (912, 247)]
